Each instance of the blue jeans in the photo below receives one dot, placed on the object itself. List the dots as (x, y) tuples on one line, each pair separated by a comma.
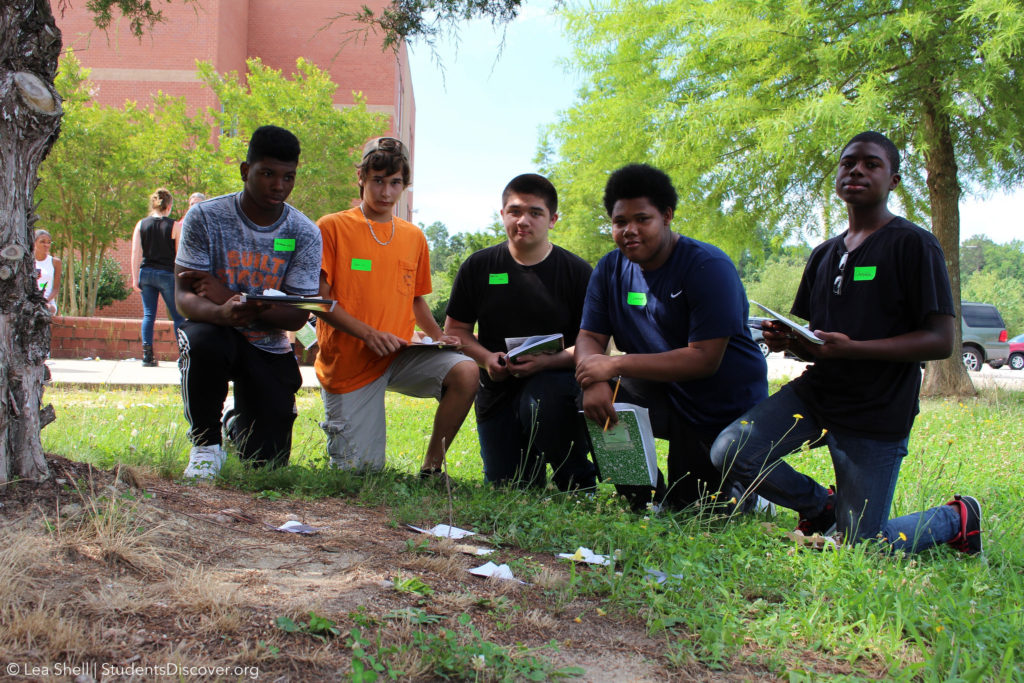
[(541, 426), (751, 451), (154, 283)]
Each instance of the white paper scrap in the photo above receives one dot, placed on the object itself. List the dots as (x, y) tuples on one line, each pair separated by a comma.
[(586, 555), (444, 531), (294, 527), (500, 571)]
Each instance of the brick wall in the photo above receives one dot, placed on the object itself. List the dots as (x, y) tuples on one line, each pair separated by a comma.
[(109, 338), (119, 339)]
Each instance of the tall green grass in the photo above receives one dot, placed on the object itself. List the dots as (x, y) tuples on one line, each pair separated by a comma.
[(744, 596)]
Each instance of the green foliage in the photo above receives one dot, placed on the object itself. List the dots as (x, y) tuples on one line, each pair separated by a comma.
[(428, 20), (746, 104), (112, 283), (318, 627), (774, 284), (331, 137), (980, 254), (447, 252)]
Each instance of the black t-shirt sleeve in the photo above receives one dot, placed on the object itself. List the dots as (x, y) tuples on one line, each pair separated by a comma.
[(463, 304), (935, 295)]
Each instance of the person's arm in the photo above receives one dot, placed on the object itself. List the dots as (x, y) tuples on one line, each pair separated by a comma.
[(698, 360), (199, 296), (492, 361), (58, 268), (136, 256), (597, 395), (932, 341), (381, 343)]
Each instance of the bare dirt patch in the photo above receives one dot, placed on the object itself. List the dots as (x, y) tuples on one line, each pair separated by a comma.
[(108, 575)]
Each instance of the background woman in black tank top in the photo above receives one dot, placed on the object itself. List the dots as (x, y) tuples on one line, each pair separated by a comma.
[(154, 245)]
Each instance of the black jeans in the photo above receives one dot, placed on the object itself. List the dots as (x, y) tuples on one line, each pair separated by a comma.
[(538, 427), (265, 386)]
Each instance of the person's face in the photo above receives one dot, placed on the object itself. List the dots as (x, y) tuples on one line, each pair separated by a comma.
[(864, 176), (641, 232), (527, 220), (269, 181), (381, 192), (42, 246)]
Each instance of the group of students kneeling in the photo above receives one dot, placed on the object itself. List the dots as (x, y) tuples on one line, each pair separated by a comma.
[(878, 295)]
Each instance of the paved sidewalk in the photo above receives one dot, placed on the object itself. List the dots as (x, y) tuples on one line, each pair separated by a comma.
[(130, 373)]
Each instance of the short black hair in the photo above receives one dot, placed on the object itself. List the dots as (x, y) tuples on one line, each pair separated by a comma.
[(274, 142), (883, 142), (532, 183), (640, 180)]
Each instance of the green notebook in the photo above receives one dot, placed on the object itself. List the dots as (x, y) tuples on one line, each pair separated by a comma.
[(625, 453)]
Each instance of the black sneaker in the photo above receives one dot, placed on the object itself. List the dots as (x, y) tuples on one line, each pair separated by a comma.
[(824, 522), (969, 538)]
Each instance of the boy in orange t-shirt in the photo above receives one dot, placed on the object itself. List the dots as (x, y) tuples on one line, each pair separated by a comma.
[(377, 267)]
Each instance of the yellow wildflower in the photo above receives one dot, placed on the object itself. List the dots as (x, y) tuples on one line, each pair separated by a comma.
[(903, 536), (798, 416)]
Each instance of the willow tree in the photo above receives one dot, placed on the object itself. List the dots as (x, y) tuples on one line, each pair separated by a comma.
[(746, 103)]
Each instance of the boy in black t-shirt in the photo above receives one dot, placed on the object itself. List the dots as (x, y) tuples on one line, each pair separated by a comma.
[(525, 409), (879, 297)]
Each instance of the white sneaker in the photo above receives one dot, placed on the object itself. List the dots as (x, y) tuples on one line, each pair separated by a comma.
[(204, 462)]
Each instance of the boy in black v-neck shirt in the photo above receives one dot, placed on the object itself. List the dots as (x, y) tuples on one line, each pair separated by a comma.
[(879, 297)]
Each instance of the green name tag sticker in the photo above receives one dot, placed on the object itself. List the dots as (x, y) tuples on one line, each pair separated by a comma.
[(362, 264), (284, 245), (497, 279), (636, 299), (864, 273)]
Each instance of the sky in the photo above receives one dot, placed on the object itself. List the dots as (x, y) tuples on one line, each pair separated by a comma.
[(479, 120)]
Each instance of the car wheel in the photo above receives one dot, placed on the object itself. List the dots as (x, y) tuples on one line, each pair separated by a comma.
[(972, 359), (764, 348), (1017, 361)]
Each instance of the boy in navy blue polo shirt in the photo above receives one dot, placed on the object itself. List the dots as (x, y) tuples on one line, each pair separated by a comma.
[(677, 307), (879, 297)]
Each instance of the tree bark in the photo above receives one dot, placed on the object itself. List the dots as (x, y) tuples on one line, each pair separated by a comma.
[(30, 112), (946, 377)]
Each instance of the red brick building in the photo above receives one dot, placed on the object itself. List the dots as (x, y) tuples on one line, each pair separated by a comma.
[(226, 33)]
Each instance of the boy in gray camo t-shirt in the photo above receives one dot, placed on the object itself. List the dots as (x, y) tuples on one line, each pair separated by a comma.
[(237, 244), (217, 237)]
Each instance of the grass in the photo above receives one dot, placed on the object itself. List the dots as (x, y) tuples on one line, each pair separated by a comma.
[(744, 596)]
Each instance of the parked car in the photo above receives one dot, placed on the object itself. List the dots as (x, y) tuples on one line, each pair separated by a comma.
[(984, 336), (1017, 352), (755, 331)]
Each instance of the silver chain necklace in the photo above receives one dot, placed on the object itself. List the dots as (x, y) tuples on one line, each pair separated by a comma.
[(373, 234)]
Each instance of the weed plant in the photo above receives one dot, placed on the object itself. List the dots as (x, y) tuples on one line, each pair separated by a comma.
[(735, 592)]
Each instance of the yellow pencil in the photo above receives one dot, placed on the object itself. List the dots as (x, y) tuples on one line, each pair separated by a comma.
[(615, 393)]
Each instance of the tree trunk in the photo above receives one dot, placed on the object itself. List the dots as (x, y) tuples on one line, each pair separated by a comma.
[(30, 113), (946, 377)]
